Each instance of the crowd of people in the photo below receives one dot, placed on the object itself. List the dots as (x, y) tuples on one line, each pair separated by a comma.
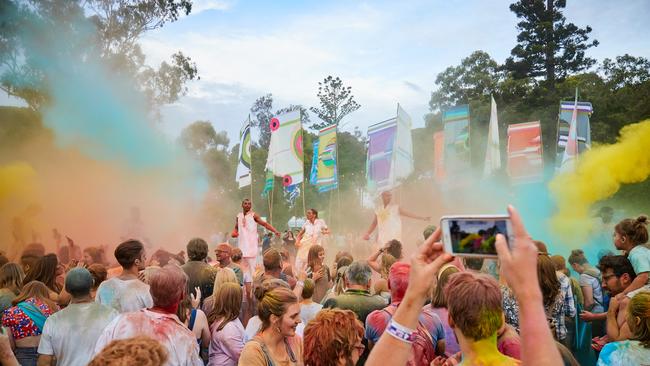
[(191, 308)]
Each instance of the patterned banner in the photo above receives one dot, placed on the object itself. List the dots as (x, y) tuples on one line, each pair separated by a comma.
[(583, 130), (525, 163), (244, 166), (327, 178), (457, 143), (268, 183), (313, 175), (285, 150)]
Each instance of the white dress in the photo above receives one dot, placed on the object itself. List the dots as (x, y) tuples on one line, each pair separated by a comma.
[(313, 235), (389, 223), (248, 238)]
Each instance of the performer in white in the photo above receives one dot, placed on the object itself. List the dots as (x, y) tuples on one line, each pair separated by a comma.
[(313, 232), (246, 232), (388, 220)]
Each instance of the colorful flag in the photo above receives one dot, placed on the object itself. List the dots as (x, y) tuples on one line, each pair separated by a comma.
[(390, 152), (493, 153), (313, 176), (439, 156), (457, 143), (268, 183), (285, 157), (244, 165), (326, 172), (583, 130), (525, 163), (571, 149)]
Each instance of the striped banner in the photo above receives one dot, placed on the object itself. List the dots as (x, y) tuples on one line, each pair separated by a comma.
[(525, 163)]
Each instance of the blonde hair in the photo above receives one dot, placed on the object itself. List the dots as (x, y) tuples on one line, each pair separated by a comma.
[(227, 304), (639, 307), (11, 275), (224, 275), (274, 302), (387, 261)]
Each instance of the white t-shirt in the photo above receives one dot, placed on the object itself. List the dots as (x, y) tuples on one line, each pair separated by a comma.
[(180, 342), (255, 323), (308, 312), (124, 296), (70, 334)]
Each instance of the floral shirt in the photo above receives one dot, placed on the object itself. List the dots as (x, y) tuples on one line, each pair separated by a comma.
[(555, 312), (20, 324)]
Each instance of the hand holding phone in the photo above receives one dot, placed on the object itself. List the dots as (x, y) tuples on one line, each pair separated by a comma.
[(474, 235)]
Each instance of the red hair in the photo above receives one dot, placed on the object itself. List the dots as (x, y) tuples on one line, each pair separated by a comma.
[(398, 280), (331, 334)]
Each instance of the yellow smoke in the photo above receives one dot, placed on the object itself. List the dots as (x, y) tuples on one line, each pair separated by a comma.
[(17, 182), (598, 176)]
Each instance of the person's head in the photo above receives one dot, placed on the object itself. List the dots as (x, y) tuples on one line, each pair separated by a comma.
[(11, 277), (223, 254), (167, 287), (387, 261), (227, 304), (342, 253), (343, 260), (272, 261), (386, 197), (617, 273), (547, 278), (333, 338), (246, 205), (130, 254), (308, 289), (357, 275), (237, 255), (339, 280), (638, 317), (225, 275), (44, 270), (394, 248), (438, 299), (141, 351), (93, 255), (36, 290), (99, 273), (316, 255), (606, 214), (197, 249), (78, 283), (312, 214), (428, 231), (474, 264), (541, 246), (578, 260), (631, 232), (398, 281), (279, 311), (30, 255), (560, 263), (474, 304)]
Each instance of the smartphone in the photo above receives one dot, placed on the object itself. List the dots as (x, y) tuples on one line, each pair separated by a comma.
[(475, 235)]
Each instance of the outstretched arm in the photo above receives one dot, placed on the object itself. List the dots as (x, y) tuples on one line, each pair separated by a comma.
[(266, 225), (405, 213), (372, 228)]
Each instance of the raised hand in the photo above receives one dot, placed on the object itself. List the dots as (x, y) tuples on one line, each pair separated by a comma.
[(196, 300), (426, 263)]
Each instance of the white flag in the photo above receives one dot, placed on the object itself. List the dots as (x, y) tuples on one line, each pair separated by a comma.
[(493, 153), (244, 165)]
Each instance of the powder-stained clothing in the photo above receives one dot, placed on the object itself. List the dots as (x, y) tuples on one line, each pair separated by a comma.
[(201, 275), (624, 353), (21, 325), (389, 223), (71, 334), (313, 235), (180, 342), (248, 239), (639, 257), (378, 320), (309, 311), (451, 343), (361, 302), (124, 295), (509, 342)]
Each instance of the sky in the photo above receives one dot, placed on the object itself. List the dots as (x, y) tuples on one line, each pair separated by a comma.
[(389, 52)]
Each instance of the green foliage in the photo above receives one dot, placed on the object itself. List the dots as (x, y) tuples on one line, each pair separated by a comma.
[(336, 102), (262, 110), (548, 46)]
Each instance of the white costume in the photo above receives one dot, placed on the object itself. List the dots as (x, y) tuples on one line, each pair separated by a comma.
[(389, 223), (248, 238), (313, 235)]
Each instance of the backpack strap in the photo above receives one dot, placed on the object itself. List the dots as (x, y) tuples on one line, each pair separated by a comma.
[(192, 319)]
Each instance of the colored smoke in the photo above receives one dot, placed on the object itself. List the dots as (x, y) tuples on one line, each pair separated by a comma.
[(599, 175)]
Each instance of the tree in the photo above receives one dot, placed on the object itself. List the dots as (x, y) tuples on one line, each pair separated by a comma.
[(200, 137), (627, 70), (475, 78), (548, 46), (336, 102), (262, 110), (36, 34)]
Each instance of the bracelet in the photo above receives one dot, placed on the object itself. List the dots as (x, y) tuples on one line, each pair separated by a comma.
[(300, 283), (400, 332)]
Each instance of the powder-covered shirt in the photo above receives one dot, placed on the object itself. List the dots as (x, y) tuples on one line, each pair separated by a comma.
[(71, 334), (587, 280), (124, 295), (377, 321), (20, 325), (309, 311), (639, 256), (451, 343), (624, 353), (180, 342)]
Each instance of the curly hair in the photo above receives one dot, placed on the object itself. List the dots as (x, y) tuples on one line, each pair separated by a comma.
[(140, 350), (331, 334)]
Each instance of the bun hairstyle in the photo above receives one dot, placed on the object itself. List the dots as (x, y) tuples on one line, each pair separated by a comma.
[(577, 257), (635, 230), (274, 302)]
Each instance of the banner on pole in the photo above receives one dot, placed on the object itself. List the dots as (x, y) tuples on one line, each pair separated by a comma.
[(326, 172), (493, 151), (313, 175), (583, 128), (439, 156), (457, 142), (525, 162), (285, 157), (244, 165), (268, 183)]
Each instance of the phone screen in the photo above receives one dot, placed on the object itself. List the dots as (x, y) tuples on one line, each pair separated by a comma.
[(474, 236)]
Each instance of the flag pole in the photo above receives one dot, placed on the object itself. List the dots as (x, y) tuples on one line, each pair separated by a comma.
[(250, 170)]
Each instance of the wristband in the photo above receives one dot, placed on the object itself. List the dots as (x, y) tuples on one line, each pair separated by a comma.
[(300, 283), (400, 332)]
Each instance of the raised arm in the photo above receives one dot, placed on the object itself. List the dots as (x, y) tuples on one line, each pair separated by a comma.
[(268, 226), (405, 213), (373, 260), (371, 229)]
